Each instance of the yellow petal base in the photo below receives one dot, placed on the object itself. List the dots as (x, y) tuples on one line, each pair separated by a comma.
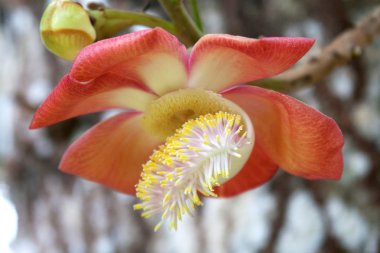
[(172, 110)]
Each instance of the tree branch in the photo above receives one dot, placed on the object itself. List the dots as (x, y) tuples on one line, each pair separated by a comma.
[(340, 51)]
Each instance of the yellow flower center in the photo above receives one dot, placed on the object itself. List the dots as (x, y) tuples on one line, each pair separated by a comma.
[(168, 113), (203, 153)]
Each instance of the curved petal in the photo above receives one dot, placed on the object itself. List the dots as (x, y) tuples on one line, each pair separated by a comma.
[(258, 170), (220, 61), (152, 57), (298, 138), (111, 153), (70, 99)]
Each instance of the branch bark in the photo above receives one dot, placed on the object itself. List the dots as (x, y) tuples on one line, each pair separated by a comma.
[(339, 52)]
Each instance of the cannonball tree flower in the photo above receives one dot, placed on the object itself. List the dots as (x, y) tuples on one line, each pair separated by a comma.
[(190, 126)]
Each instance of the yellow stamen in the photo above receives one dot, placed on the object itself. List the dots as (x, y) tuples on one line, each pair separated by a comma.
[(191, 162)]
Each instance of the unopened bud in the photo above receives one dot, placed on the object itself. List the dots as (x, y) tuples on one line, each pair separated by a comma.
[(66, 28)]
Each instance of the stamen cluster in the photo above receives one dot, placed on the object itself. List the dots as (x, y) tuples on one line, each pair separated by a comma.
[(192, 161)]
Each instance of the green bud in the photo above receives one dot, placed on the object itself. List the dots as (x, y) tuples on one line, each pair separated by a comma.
[(66, 28)]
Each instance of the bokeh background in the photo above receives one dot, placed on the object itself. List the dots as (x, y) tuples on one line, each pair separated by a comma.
[(43, 210)]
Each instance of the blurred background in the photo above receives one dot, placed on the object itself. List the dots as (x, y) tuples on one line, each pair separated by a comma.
[(43, 210)]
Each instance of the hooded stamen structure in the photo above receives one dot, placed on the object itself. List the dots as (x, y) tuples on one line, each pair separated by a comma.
[(196, 158)]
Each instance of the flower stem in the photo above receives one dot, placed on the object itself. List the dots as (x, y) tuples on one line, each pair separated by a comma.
[(108, 22), (196, 15), (187, 31)]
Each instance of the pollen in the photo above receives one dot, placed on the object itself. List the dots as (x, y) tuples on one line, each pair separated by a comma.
[(198, 157)]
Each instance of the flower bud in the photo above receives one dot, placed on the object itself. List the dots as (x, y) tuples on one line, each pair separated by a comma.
[(66, 28)]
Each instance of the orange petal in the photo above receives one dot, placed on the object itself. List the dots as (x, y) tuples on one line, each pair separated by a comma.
[(111, 153), (70, 99), (258, 170), (152, 57), (220, 61), (298, 138)]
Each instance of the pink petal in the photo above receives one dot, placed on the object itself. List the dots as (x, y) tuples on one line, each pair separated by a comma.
[(152, 57), (70, 99), (111, 153), (258, 170), (220, 61), (298, 138)]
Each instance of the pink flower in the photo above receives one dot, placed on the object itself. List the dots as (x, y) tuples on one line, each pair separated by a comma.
[(151, 75)]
